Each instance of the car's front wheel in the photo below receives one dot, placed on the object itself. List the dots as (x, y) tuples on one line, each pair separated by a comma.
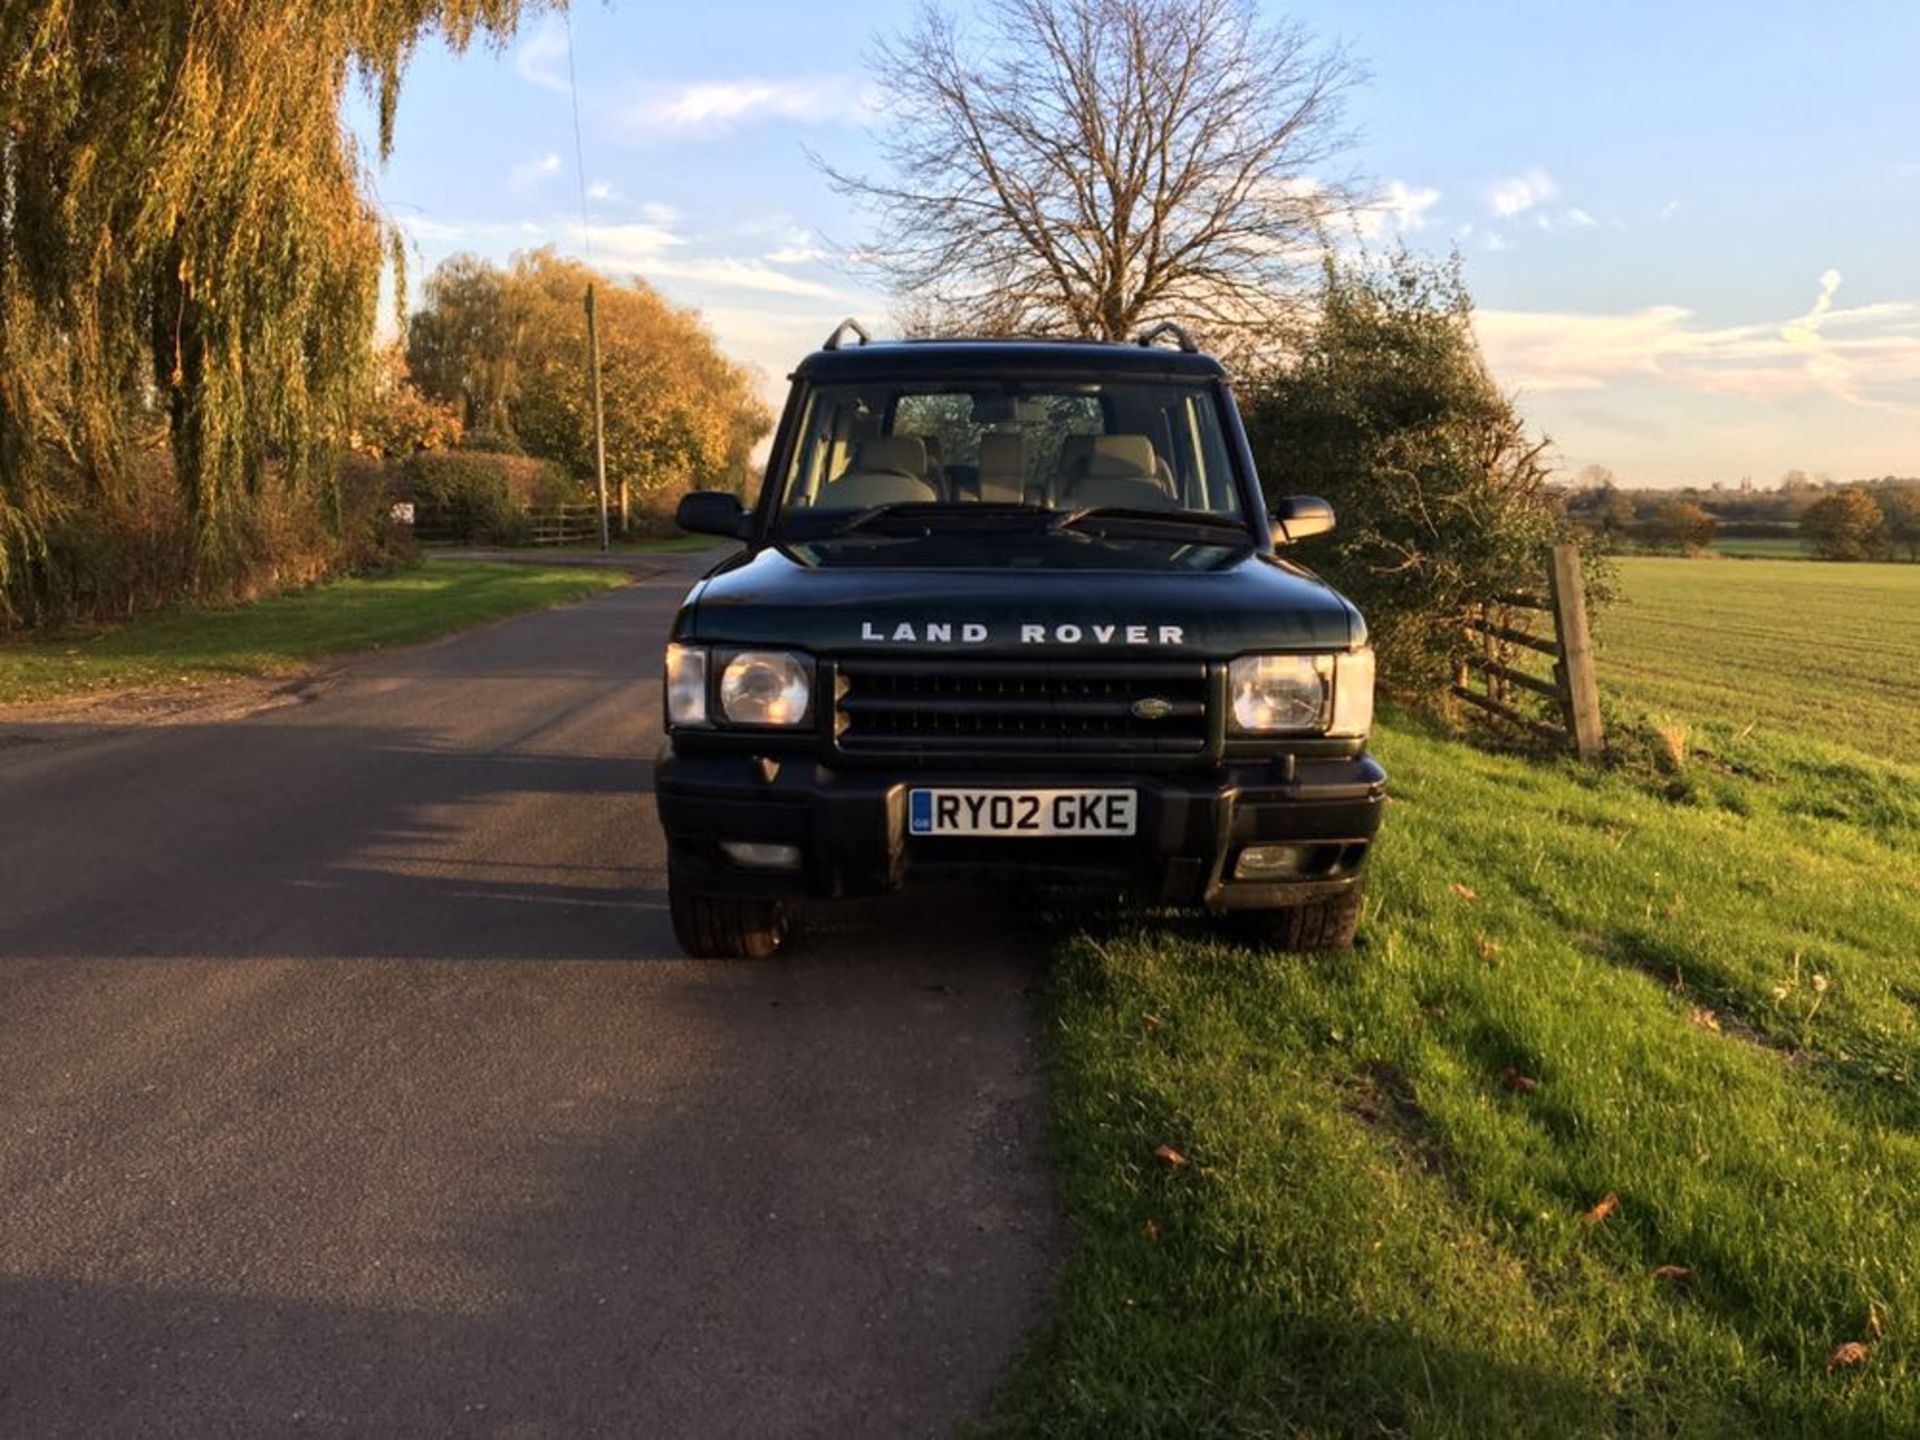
[(1328, 924), (725, 927)]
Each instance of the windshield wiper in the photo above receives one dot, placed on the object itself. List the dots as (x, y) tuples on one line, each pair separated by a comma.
[(1190, 519)]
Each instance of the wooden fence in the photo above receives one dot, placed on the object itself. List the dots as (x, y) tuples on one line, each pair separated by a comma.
[(562, 525), (566, 525), (1501, 632)]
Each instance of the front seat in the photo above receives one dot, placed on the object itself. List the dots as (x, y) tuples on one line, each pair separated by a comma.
[(886, 470), (1120, 470)]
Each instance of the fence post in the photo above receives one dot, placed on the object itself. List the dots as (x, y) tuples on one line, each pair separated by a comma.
[(1579, 693)]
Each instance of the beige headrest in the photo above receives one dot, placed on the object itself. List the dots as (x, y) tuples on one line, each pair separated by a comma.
[(893, 455), (1122, 457)]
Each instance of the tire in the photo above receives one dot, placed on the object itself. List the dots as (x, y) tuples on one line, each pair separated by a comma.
[(725, 927), (1318, 925)]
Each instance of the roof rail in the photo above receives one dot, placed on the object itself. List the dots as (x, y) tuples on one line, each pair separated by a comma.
[(1167, 327), (833, 340)]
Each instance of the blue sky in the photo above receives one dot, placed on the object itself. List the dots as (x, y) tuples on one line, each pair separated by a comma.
[(1693, 232)]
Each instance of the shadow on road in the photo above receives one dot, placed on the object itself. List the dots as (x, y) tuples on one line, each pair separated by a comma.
[(322, 1105)]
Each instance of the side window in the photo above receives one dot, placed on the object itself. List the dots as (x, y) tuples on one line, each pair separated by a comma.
[(828, 432)]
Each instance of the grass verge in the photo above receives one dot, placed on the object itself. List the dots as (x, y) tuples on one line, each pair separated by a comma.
[(284, 633), (1609, 1127)]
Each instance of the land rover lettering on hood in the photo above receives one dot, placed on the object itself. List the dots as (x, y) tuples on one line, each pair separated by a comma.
[(1015, 610)]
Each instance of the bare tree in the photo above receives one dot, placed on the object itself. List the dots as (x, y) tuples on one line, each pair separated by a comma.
[(1084, 167)]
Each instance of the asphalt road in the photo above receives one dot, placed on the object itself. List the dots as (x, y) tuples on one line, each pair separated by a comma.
[(350, 1083)]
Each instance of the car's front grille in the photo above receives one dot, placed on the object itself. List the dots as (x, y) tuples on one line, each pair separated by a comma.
[(986, 706)]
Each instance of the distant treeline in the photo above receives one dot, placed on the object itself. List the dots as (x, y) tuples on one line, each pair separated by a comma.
[(1841, 520)]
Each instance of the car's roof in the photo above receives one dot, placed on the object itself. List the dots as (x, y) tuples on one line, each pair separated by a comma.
[(913, 359)]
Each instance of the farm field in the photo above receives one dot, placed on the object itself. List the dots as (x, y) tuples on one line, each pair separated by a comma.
[(1826, 651), (1610, 1126)]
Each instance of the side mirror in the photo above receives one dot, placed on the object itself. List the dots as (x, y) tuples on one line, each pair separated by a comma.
[(1297, 517), (712, 512)]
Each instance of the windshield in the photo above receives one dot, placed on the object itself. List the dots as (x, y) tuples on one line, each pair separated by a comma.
[(951, 456)]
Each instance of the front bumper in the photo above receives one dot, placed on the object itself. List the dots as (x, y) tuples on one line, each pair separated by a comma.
[(850, 827)]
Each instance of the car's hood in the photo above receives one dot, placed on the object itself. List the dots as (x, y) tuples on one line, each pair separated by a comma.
[(1251, 602)]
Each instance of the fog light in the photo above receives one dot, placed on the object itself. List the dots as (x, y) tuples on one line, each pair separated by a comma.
[(1269, 862), (755, 856)]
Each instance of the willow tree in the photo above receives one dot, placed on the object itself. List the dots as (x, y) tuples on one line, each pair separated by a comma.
[(186, 243)]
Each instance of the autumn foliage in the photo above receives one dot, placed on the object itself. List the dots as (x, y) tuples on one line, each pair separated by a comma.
[(507, 350), (189, 263)]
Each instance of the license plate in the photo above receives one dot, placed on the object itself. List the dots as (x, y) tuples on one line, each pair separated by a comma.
[(1022, 812)]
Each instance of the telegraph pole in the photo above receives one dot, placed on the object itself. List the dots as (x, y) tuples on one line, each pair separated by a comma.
[(599, 421)]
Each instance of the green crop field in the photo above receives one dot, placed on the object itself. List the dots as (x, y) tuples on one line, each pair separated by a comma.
[(1610, 1126), (1824, 650)]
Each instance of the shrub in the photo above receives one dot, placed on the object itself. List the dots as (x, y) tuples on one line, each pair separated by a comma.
[(1900, 507), (461, 496), (479, 498), (1387, 411), (1845, 525), (131, 548), (1683, 526)]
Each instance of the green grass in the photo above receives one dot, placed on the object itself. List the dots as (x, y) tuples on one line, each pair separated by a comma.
[(284, 633), (1825, 650), (1712, 978), (1376, 1235)]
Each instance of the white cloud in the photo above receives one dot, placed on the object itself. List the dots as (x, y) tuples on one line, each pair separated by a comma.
[(712, 107), (421, 230), (541, 58), (1866, 357), (732, 273), (600, 190), (652, 249), (1579, 219), (1518, 194), (529, 173), (1401, 208)]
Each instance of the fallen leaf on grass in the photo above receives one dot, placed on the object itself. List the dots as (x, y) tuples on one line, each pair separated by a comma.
[(1170, 1155), (1673, 1272), (1151, 1230), (1847, 1356), (1489, 952), (1705, 1019), (1463, 891), (1150, 1022), (1518, 1083), (1608, 1203)]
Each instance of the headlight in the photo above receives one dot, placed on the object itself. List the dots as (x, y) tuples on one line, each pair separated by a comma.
[(765, 687), (1302, 694), (1281, 694), (686, 685)]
